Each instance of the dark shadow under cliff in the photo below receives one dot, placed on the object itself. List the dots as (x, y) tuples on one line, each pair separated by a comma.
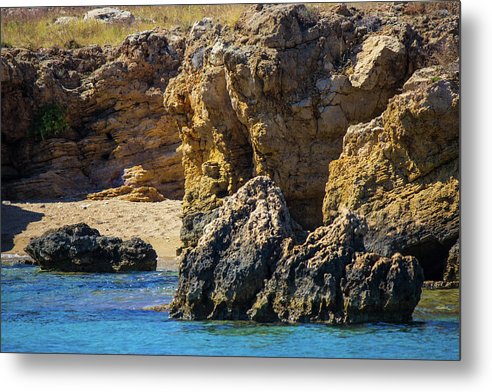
[(14, 221)]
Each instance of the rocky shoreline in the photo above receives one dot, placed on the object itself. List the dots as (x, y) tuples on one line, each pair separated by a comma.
[(249, 265), (316, 153)]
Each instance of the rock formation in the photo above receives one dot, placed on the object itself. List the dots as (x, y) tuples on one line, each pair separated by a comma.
[(247, 265), (79, 248), (343, 109), (116, 131), (400, 172), (220, 277), (126, 192), (275, 95), (273, 98)]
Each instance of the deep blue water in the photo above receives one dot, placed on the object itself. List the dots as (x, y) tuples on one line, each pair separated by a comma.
[(103, 313)]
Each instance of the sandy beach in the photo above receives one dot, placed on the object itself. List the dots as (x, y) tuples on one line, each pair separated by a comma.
[(157, 223)]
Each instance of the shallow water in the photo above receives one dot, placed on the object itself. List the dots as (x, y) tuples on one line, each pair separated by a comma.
[(103, 313)]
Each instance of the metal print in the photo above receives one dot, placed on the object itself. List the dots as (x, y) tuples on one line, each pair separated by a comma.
[(270, 180)]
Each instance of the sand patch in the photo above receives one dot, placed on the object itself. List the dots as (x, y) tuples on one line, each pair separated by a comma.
[(157, 223)]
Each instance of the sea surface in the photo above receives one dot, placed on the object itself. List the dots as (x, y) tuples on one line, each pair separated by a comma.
[(104, 314)]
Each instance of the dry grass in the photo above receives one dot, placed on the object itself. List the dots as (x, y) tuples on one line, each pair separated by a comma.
[(33, 28)]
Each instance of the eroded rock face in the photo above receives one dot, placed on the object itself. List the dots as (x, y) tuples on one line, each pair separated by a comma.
[(331, 279), (247, 266), (79, 248), (276, 95), (118, 134), (452, 271), (274, 98), (400, 172), (220, 277)]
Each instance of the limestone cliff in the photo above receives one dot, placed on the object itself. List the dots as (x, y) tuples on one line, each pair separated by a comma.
[(115, 129), (343, 108), (401, 172), (275, 95)]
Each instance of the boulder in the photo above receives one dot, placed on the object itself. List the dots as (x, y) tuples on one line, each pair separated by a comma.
[(144, 194), (378, 288), (331, 279), (250, 264), (64, 20), (110, 15), (380, 63), (80, 248)]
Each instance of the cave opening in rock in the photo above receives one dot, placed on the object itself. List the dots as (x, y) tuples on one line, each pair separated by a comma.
[(432, 256)]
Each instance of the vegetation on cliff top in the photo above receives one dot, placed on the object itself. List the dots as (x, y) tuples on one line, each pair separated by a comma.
[(34, 28)]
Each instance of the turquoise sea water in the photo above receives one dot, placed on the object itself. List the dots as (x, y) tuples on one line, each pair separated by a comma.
[(103, 313)]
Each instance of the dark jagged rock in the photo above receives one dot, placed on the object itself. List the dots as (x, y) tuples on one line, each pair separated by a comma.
[(80, 248), (247, 266), (305, 286), (330, 279), (381, 288), (220, 277), (193, 226)]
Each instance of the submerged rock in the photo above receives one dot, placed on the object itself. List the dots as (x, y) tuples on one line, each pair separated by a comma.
[(80, 248), (247, 265)]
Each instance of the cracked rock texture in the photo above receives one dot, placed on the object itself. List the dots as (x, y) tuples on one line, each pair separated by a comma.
[(219, 278), (247, 265), (118, 131), (271, 98), (275, 95), (400, 172)]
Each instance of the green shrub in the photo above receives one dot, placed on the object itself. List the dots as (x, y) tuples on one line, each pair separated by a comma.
[(50, 121)]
